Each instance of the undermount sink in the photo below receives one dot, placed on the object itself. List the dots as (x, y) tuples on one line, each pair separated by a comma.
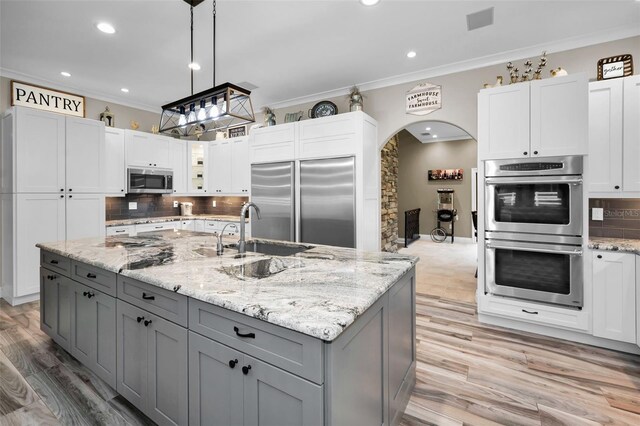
[(274, 249)]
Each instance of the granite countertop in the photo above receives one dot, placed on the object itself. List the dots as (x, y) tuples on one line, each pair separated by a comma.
[(318, 292), (615, 244), (142, 220)]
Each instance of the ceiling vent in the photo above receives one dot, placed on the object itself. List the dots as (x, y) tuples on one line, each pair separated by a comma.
[(484, 18)]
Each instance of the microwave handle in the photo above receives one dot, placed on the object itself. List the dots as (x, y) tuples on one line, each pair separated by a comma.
[(517, 181), (576, 252)]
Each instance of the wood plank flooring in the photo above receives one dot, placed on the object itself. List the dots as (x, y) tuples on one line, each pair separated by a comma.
[(467, 373)]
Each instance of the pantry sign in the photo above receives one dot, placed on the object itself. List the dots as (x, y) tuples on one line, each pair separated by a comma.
[(28, 95), (424, 99)]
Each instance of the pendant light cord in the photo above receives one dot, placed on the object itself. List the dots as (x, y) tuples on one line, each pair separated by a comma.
[(191, 50), (214, 43)]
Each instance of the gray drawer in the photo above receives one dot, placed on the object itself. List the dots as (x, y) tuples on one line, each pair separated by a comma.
[(165, 303), (92, 276), (295, 352), (55, 262)]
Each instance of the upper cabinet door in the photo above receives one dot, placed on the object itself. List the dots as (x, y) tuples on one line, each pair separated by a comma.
[(275, 143), (146, 149), (605, 136), (503, 122), (178, 163), (559, 116), (240, 166), (85, 156), (631, 134), (220, 167), (115, 179), (334, 136), (40, 151), (197, 167)]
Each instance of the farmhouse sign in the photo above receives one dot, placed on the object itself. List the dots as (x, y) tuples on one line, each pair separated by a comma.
[(424, 99), (28, 95)]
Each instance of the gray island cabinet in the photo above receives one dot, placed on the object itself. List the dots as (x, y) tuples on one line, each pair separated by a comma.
[(184, 352)]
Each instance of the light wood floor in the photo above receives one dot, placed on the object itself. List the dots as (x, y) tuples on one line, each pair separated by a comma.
[(468, 373)]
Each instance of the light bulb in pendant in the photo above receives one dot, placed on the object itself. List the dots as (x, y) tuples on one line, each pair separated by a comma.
[(192, 113), (202, 112), (214, 111), (182, 120), (221, 111)]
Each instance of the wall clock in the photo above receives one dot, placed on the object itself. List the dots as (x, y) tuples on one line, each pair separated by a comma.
[(323, 109)]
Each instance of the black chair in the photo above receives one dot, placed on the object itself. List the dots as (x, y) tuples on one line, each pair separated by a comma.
[(474, 218)]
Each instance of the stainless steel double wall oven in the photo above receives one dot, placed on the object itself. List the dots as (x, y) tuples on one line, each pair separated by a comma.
[(533, 229)]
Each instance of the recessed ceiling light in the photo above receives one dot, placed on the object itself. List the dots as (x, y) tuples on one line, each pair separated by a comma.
[(125, 90), (194, 66), (411, 54), (369, 2), (434, 136), (106, 28), (65, 74), (428, 128)]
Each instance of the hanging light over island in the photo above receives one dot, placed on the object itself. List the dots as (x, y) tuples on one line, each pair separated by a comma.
[(211, 110)]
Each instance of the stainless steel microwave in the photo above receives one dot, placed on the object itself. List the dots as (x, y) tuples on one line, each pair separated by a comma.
[(149, 181)]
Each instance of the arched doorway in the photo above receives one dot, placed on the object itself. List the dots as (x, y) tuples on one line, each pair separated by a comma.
[(406, 159)]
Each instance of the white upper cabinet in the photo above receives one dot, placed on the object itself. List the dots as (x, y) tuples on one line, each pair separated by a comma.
[(220, 167), (85, 164), (197, 167), (614, 136), (178, 163), (614, 296), (503, 122), (559, 116), (146, 149), (274, 143), (631, 134), (605, 135), (240, 167), (115, 171), (40, 151), (337, 135), (541, 118)]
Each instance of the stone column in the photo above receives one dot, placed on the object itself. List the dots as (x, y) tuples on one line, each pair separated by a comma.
[(389, 195)]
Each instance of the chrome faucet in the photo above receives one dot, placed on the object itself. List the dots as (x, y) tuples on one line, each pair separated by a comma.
[(242, 244), (220, 246)]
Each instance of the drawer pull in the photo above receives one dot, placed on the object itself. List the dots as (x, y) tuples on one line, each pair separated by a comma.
[(249, 335), (51, 277), (92, 276), (245, 370), (147, 322), (121, 230), (233, 363), (139, 319), (159, 227), (599, 256), (145, 297), (54, 262), (88, 294), (530, 312)]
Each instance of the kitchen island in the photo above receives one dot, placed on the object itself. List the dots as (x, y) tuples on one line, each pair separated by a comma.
[(284, 334)]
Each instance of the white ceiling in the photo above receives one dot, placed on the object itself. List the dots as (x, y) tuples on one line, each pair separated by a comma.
[(289, 49), (443, 131)]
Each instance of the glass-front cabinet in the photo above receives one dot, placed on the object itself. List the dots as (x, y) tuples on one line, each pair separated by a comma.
[(197, 157)]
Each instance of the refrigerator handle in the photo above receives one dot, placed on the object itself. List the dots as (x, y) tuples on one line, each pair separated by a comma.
[(293, 202)]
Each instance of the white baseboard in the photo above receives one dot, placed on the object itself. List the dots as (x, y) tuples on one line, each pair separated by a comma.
[(558, 333), (15, 301)]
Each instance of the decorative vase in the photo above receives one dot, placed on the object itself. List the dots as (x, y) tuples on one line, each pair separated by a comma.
[(269, 119), (355, 103)]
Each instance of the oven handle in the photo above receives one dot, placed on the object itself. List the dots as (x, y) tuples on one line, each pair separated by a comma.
[(576, 252), (541, 179)]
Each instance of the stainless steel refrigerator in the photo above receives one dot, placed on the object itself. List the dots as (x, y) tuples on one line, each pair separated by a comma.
[(310, 201)]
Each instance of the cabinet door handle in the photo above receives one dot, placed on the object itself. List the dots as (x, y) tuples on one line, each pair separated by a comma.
[(92, 276), (145, 297), (617, 187), (85, 294), (599, 256), (233, 363), (90, 295), (535, 152), (245, 370), (139, 319), (525, 153), (50, 277), (70, 189), (147, 322), (54, 262), (249, 335), (529, 312)]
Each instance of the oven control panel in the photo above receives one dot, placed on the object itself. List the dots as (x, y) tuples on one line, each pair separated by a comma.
[(527, 167)]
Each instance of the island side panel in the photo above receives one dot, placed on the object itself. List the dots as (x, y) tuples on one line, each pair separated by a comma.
[(358, 375)]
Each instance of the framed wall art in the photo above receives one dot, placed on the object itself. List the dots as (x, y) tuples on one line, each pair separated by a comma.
[(446, 174), (235, 132), (615, 67)]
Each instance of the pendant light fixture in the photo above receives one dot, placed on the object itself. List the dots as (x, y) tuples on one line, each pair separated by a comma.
[(211, 110)]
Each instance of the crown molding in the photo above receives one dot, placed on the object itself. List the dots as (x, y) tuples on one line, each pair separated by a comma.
[(471, 64), (27, 78)]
